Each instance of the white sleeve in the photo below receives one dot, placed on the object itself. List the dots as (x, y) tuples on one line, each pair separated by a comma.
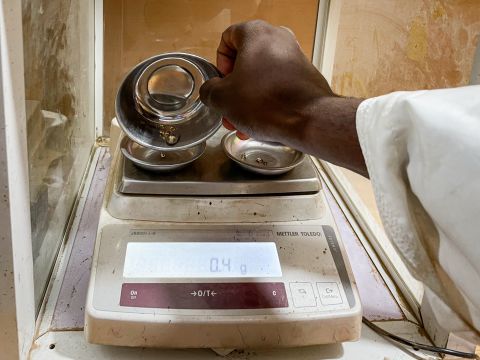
[(422, 151)]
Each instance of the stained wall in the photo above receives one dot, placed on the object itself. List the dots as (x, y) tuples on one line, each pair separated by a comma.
[(386, 45)]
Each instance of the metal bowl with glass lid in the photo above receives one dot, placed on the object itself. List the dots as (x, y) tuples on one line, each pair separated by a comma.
[(158, 104)]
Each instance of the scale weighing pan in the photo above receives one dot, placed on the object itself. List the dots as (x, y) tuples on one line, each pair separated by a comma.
[(159, 161), (266, 158)]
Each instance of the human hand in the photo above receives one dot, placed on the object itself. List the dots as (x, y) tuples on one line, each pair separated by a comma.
[(269, 83), (271, 92)]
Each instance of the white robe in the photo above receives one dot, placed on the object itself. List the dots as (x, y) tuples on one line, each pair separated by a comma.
[(422, 151)]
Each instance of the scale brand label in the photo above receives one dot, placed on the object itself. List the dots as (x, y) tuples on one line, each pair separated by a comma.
[(204, 295)]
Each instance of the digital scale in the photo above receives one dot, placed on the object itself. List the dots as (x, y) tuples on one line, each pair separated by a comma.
[(213, 256)]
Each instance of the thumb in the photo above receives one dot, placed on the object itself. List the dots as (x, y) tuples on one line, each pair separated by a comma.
[(213, 93)]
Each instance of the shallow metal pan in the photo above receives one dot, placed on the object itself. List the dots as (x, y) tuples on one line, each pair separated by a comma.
[(155, 160), (265, 158)]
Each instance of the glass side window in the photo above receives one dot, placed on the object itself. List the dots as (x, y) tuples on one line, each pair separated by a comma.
[(58, 51)]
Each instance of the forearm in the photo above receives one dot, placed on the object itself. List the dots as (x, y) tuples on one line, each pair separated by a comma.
[(327, 130)]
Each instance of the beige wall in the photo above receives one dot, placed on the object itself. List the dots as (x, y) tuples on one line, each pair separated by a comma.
[(387, 45), (138, 29)]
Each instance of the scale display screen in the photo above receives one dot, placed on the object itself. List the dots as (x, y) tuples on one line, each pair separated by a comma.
[(201, 260)]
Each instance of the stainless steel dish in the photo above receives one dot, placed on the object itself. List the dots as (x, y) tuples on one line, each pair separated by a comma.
[(154, 160), (265, 158), (158, 104)]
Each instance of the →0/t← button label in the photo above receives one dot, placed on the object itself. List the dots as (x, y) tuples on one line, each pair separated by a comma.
[(302, 294), (329, 293)]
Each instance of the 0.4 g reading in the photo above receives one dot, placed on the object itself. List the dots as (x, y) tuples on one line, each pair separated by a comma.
[(224, 264), (201, 260)]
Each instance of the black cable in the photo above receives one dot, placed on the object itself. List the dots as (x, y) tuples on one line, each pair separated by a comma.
[(417, 346)]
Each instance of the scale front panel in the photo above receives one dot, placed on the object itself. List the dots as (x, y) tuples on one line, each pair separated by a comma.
[(222, 271)]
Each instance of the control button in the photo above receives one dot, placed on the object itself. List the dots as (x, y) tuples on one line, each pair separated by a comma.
[(329, 293), (302, 294)]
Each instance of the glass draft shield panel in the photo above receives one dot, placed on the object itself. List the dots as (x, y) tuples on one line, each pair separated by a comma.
[(58, 61), (202, 260)]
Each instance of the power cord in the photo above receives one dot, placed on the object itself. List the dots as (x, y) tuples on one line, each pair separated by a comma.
[(417, 346)]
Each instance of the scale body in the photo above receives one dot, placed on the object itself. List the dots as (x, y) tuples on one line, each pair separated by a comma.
[(215, 257)]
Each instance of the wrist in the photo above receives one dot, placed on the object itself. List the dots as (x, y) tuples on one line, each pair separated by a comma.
[(329, 132)]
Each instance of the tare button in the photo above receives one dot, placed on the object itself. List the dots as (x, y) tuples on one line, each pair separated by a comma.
[(329, 293)]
